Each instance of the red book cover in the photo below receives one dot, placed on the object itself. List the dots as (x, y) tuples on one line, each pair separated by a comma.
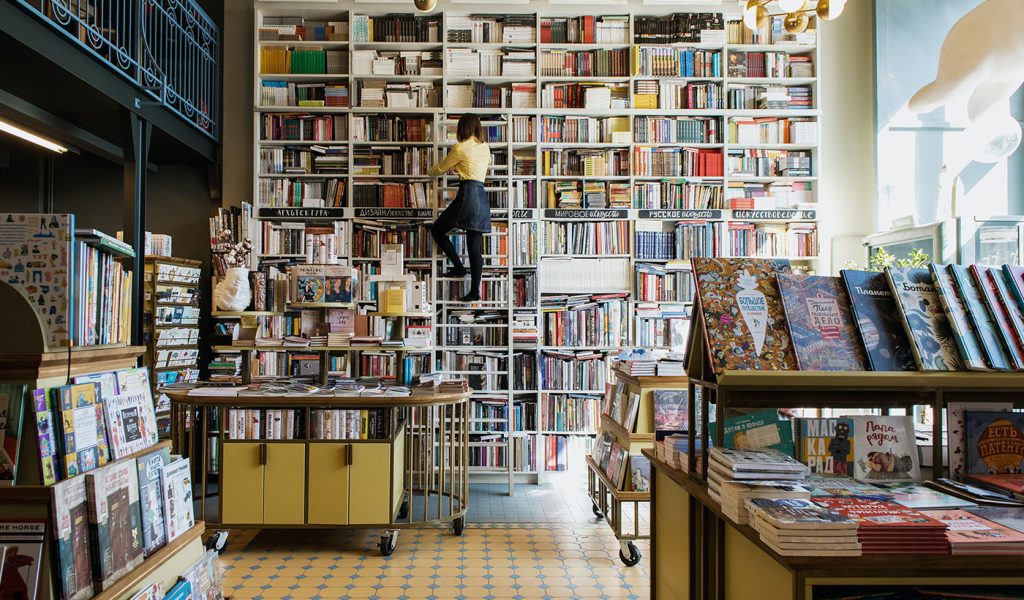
[(1010, 482), (873, 514)]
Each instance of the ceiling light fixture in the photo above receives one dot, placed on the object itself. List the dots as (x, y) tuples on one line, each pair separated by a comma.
[(756, 15), (425, 5), (28, 136)]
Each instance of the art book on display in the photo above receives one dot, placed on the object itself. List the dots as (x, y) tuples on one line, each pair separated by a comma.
[(742, 313), (956, 311), (640, 472), (46, 435), (925, 322), (21, 558), (956, 431), (820, 323), (115, 531), (991, 344), (151, 503), (133, 381), (825, 445), (176, 485), (1003, 320), (756, 431), (131, 422), (671, 410), (885, 449), (153, 591), (83, 429), (71, 535), (994, 441), (618, 457), (878, 321)]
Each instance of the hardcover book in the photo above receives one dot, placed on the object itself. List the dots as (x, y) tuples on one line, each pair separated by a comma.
[(826, 445), (46, 435), (1008, 302), (820, 323), (956, 311), (72, 558), (931, 338), (980, 318), (21, 558), (956, 431), (671, 410), (12, 405), (916, 496), (151, 503), (107, 382), (1004, 483), (131, 423), (176, 485), (763, 429), (965, 529), (1015, 282), (618, 457), (995, 442), (133, 381), (878, 322), (114, 521), (885, 449), (640, 472), (1004, 325), (742, 313), (83, 432), (797, 514)]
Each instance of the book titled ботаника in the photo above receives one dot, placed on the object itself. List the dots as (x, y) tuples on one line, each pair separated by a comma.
[(924, 320), (742, 313), (820, 323), (878, 321)]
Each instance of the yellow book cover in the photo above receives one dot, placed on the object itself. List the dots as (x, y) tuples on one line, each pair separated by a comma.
[(394, 300), (363, 424)]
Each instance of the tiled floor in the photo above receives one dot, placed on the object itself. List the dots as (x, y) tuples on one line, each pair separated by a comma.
[(543, 542)]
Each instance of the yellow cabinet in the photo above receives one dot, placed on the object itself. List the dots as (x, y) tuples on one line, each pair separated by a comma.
[(284, 484), (242, 483), (370, 491), (327, 500)]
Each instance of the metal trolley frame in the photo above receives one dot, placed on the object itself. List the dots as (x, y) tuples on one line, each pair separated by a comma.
[(608, 502)]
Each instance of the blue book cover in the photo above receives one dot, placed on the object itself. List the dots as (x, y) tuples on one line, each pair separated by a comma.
[(878, 321), (994, 441), (924, 320), (956, 310), (980, 317), (757, 431), (181, 591)]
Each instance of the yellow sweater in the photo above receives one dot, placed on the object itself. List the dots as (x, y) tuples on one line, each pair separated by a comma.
[(469, 158)]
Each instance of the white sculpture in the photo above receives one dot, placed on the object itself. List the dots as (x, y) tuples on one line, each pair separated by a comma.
[(233, 292)]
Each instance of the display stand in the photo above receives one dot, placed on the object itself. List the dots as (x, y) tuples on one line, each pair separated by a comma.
[(416, 477)]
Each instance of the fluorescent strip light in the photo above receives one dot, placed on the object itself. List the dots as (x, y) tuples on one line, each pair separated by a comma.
[(28, 136)]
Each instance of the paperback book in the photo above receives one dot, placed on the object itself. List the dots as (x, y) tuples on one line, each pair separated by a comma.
[(176, 485), (742, 314), (46, 436), (956, 311), (994, 441), (979, 316), (115, 531), (83, 432), (878, 322), (970, 534), (671, 410), (131, 422), (72, 558), (21, 558), (820, 323), (797, 514), (151, 504), (756, 431), (927, 327)]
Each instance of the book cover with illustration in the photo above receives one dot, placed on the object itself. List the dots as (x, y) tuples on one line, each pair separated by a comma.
[(874, 514), (22, 543), (797, 513), (47, 435), (151, 499), (885, 449), (742, 313), (878, 322), (965, 529), (1002, 319), (991, 343), (956, 431), (131, 423), (71, 536), (756, 431), (956, 311), (1013, 309), (820, 323), (927, 327), (640, 473), (1015, 281), (994, 441), (825, 445), (671, 410), (176, 487), (115, 530), (82, 428)]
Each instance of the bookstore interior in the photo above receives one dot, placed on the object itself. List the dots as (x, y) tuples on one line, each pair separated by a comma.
[(437, 299)]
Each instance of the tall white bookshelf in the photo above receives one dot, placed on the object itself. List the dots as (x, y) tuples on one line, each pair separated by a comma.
[(554, 273)]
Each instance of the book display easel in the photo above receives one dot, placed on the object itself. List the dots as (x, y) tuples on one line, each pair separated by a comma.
[(171, 324), (627, 141)]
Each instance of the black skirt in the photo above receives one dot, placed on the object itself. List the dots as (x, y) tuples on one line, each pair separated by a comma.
[(470, 209)]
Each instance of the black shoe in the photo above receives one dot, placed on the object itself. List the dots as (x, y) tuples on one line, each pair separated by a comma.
[(471, 297), (455, 272)]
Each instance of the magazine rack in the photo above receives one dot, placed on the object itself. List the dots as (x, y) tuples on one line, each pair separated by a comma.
[(696, 550)]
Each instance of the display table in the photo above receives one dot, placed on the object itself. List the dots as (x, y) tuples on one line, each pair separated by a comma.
[(696, 552), (416, 475)]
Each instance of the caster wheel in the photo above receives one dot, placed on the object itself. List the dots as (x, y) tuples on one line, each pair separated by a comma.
[(629, 554), (218, 541), (388, 543), (597, 511), (403, 511), (458, 525)]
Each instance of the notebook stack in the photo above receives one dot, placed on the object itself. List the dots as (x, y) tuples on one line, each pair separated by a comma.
[(971, 534), (751, 465), (888, 528), (797, 527)]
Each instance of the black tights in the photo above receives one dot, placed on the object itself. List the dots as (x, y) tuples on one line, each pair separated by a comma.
[(475, 242)]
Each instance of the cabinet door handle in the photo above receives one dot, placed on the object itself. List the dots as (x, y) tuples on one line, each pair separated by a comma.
[(348, 455), (263, 454)]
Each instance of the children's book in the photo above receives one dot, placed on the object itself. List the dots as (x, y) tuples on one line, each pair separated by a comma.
[(115, 530), (72, 558), (1001, 317), (994, 441), (131, 423), (176, 485), (83, 432), (671, 410), (990, 340), (47, 435), (756, 431), (878, 322), (21, 558), (885, 449), (956, 431), (820, 323), (1008, 302), (956, 311), (151, 503), (826, 445), (927, 327)]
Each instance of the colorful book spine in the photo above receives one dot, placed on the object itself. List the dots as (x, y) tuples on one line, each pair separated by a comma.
[(926, 324), (878, 321), (964, 334), (980, 317), (999, 315)]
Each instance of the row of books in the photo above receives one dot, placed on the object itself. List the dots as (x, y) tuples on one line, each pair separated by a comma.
[(414, 194), (769, 64), (482, 95), (614, 459), (771, 239), (774, 32), (302, 61), (676, 62), (584, 161), (303, 127), (101, 309), (671, 194), (593, 96), (592, 321), (492, 29), (569, 370), (586, 194), (584, 130), (674, 95), (304, 160), (301, 192), (324, 424), (770, 97), (475, 328), (773, 130), (676, 28), (585, 30), (569, 413), (389, 160), (300, 29), (374, 62), (668, 282), (592, 238), (676, 130), (585, 63), (396, 28), (387, 128), (487, 62), (661, 161), (312, 95), (397, 94), (769, 163)]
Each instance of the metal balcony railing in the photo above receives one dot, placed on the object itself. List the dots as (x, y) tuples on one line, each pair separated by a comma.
[(170, 49)]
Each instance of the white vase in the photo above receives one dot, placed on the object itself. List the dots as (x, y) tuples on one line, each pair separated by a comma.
[(233, 292)]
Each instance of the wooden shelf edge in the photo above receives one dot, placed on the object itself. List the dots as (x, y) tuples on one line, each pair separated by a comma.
[(620, 432), (621, 495), (122, 586), (84, 359), (173, 260), (652, 381)]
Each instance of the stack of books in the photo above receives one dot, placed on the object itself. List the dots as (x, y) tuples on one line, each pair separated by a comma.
[(453, 386), (729, 465), (969, 533), (734, 494), (794, 527), (674, 450), (888, 528)]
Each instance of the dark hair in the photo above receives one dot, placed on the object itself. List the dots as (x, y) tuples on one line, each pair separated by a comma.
[(469, 126)]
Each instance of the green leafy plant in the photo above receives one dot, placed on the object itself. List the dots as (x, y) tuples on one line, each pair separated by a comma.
[(881, 259)]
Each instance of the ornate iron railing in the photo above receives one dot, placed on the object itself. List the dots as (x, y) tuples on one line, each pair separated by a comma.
[(170, 49)]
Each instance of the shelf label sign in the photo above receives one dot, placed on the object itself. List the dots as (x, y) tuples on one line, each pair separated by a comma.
[(302, 212), (586, 213), (522, 213), (673, 215), (775, 215), (394, 213)]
